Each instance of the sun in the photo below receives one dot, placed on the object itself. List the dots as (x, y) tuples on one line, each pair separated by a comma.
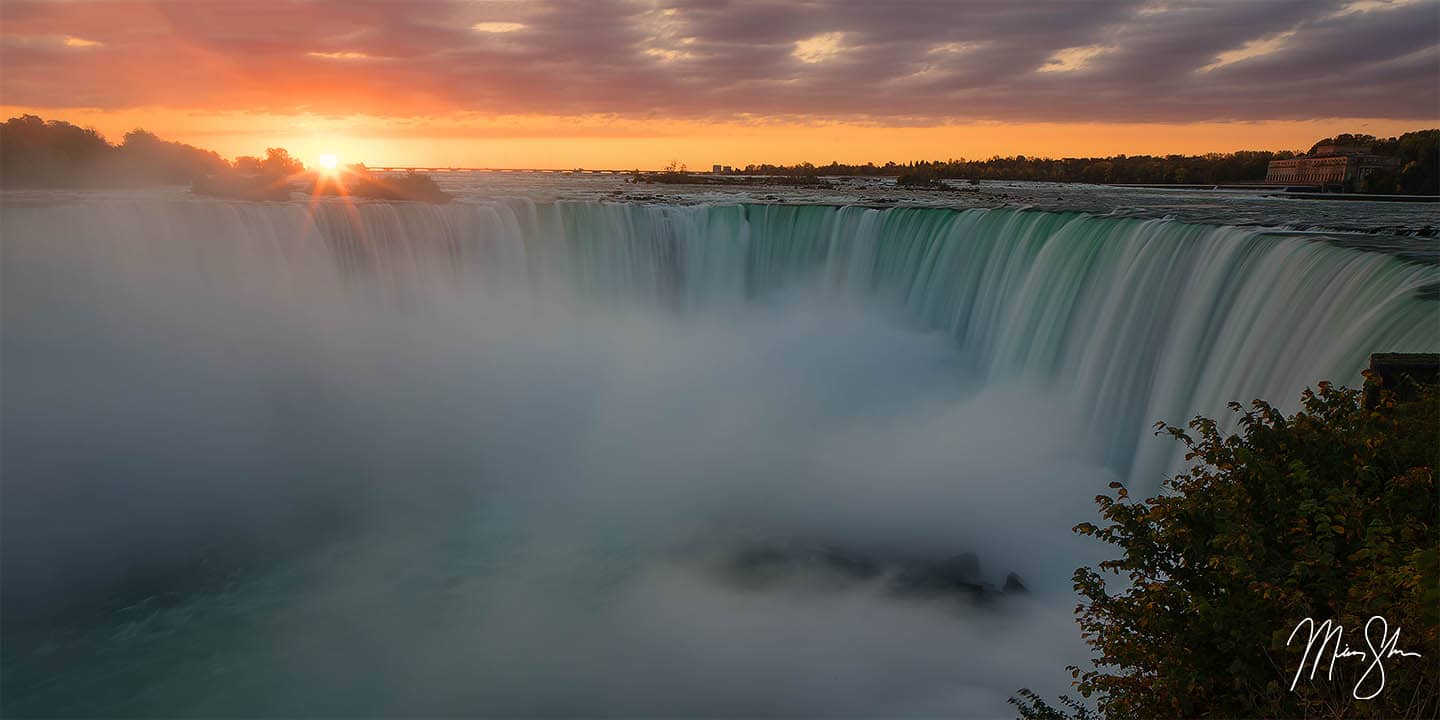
[(329, 161)]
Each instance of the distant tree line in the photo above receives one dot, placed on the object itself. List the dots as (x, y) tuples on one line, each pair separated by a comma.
[(1418, 153), (35, 153), (1419, 156), (1214, 168)]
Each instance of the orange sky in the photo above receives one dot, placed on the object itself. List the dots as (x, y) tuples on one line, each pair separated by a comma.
[(615, 84), (597, 142)]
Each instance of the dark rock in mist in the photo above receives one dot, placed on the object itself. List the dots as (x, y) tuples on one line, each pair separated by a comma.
[(959, 574), (1013, 585), (762, 567)]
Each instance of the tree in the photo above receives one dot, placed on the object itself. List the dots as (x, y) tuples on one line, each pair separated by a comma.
[(144, 159), (1330, 513), (278, 164), (36, 153), (1347, 140)]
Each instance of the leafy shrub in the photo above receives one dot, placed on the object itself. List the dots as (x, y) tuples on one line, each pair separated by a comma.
[(1330, 513), (1034, 707), (358, 182), (234, 186)]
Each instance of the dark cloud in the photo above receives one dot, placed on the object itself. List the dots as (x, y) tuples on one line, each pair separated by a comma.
[(1058, 60)]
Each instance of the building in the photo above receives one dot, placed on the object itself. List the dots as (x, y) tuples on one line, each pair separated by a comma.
[(1328, 165)]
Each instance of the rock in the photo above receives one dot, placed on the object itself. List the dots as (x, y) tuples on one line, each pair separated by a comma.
[(764, 566), (759, 566), (956, 574), (1013, 585)]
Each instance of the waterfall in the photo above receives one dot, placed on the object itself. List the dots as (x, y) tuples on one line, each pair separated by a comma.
[(1138, 320), (405, 459)]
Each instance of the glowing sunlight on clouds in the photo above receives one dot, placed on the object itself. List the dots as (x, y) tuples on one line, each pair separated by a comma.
[(497, 27), (818, 48), (1252, 49), (1071, 59), (339, 55)]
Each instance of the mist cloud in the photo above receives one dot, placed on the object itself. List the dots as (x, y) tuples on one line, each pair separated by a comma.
[(463, 495)]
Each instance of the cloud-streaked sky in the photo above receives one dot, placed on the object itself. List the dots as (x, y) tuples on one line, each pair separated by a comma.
[(567, 82)]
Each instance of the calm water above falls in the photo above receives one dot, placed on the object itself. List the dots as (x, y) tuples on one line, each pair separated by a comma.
[(268, 460)]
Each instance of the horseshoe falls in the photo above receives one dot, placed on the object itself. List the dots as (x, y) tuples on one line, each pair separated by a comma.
[(484, 458)]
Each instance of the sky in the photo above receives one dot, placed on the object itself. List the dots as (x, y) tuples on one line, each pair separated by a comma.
[(616, 84)]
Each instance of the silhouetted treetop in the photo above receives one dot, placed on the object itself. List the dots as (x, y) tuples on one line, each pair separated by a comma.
[(1418, 152), (277, 163), (35, 153)]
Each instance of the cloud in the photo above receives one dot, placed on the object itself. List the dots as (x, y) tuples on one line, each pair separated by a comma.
[(72, 41), (819, 48), (1254, 48), (1099, 60), (1071, 59), (339, 55), (497, 27)]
